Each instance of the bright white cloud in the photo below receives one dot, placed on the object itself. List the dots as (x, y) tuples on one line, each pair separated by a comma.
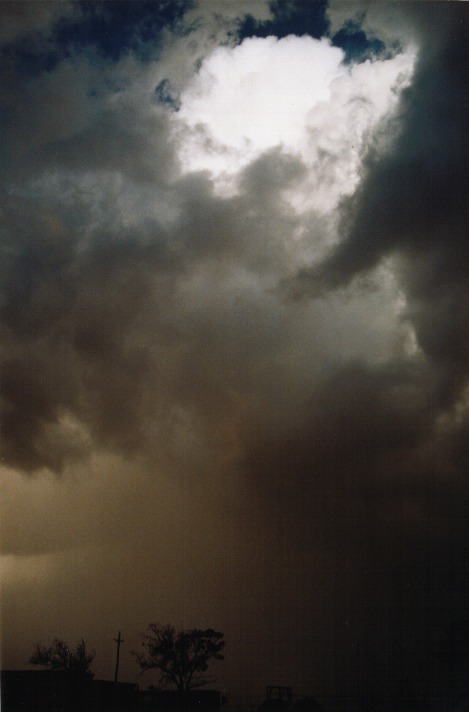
[(252, 97), (256, 95), (293, 93)]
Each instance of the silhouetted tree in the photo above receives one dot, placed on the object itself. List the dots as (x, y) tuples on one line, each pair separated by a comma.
[(59, 656), (181, 656)]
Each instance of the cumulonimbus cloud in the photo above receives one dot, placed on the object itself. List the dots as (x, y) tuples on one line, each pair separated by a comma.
[(150, 250)]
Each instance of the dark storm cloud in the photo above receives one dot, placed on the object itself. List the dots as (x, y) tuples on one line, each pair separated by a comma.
[(79, 127), (73, 318), (365, 470), (100, 312), (369, 464), (413, 203)]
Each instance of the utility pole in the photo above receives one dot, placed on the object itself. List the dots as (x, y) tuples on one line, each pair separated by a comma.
[(118, 640)]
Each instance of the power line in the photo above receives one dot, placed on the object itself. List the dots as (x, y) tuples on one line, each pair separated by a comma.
[(118, 640)]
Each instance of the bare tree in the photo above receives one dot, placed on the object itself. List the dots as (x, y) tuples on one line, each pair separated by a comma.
[(181, 656), (60, 656)]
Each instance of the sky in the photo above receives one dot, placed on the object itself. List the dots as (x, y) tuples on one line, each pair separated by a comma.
[(235, 339)]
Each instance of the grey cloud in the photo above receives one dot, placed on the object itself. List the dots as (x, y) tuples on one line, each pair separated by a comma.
[(83, 117), (413, 203), (106, 314), (396, 24), (20, 20)]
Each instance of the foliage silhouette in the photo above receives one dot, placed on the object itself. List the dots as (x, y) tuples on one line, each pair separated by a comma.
[(60, 656), (181, 656)]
